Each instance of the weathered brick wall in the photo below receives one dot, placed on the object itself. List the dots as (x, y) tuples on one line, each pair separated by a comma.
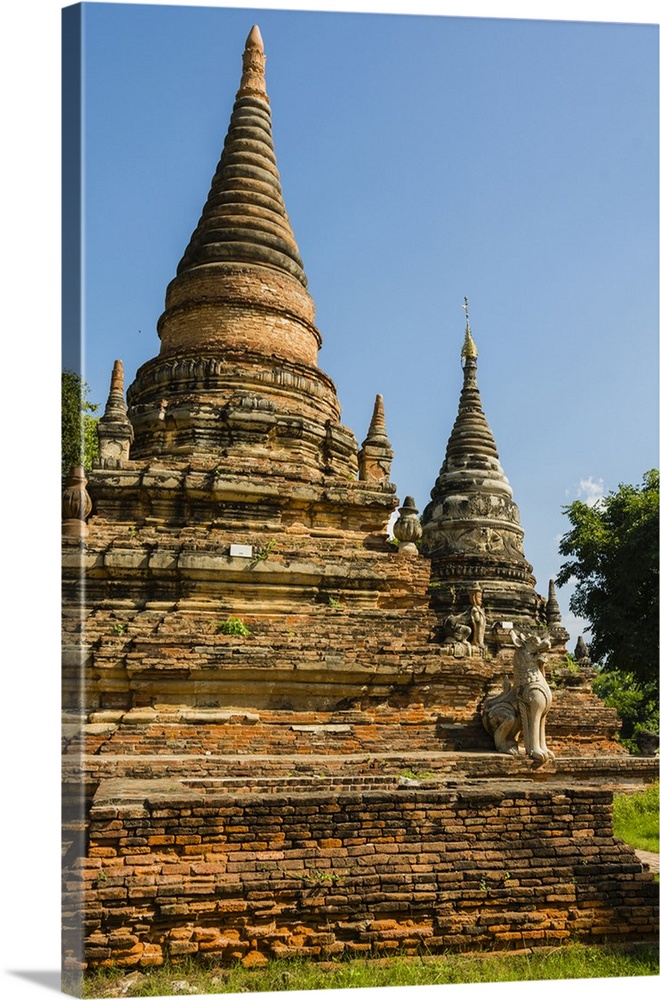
[(262, 310), (364, 872), (239, 732), (376, 672)]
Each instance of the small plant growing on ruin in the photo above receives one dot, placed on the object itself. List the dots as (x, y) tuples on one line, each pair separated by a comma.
[(315, 875), (318, 875), (119, 628), (232, 626), (416, 775), (572, 664), (334, 602), (261, 554)]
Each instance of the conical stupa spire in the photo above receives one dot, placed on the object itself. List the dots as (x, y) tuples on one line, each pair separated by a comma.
[(241, 285), (245, 219), (471, 437), (377, 425), (115, 405), (472, 525), (552, 612), (114, 429)]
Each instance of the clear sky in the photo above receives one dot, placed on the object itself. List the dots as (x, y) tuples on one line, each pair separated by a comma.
[(423, 158)]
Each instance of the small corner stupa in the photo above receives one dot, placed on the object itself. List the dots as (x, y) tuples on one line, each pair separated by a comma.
[(471, 527)]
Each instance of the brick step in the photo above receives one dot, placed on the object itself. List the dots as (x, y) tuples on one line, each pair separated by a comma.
[(302, 782), (380, 769)]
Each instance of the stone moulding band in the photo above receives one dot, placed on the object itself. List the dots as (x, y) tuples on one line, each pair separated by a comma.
[(163, 372)]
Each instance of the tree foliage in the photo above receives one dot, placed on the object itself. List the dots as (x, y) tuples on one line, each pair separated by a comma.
[(613, 550), (79, 439), (636, 704)]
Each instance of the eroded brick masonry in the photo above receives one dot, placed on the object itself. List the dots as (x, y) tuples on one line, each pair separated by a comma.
[(359, 870)]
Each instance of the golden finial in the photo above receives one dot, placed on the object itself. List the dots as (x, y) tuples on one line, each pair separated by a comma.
[(469, 346)]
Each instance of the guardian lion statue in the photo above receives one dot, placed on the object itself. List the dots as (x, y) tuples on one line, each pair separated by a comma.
[(522, 706)]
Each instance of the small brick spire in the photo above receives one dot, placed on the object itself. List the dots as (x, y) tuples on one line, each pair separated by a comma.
[(552, 612), (375, 457), (114, 429), (115, 404), (377, 425)]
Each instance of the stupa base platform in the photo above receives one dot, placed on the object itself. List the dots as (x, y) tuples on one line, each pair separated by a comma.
[(250, 858)]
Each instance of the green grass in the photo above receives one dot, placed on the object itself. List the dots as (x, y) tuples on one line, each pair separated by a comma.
[(570, 962), (636, 818)]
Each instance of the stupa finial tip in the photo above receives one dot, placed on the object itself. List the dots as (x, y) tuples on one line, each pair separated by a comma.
[(469, 346), (254, 38)]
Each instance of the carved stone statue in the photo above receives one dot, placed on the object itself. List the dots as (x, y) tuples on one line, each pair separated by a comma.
[(477, 615), (457, 635), (465, 632), (523, 705)]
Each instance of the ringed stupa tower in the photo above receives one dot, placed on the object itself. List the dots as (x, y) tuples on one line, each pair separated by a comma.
[(471, 527), (236, 378)]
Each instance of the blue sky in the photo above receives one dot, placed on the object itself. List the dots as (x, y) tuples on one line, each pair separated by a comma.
[(423, 158)]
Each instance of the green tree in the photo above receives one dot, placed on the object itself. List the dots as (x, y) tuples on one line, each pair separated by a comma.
[(636, 703), (613, 547), (79, 439)]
